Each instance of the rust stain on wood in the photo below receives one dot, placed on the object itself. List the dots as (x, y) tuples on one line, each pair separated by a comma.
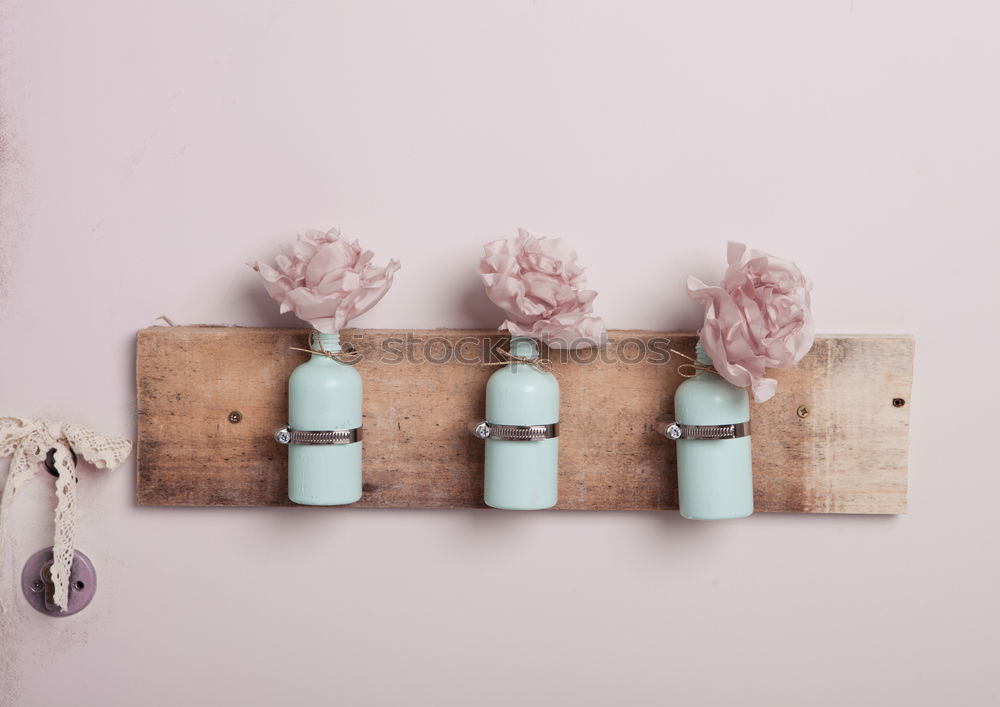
[(848, 455)]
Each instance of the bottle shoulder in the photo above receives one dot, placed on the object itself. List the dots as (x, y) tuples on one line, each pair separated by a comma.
[(522, 378), (522, 395), (325, 370), (710, 394)]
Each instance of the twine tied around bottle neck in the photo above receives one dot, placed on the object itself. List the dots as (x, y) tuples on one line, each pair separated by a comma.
[(695, 368), (346, 357), (540, 363)]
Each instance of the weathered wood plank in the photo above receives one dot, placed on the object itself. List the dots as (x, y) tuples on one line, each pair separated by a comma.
[(848, 455)]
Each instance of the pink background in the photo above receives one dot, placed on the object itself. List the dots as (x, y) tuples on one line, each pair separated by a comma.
[(150, 149)]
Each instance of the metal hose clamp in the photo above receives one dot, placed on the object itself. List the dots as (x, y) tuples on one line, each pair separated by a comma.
[(675, 431), (286, 435), (513, 433)]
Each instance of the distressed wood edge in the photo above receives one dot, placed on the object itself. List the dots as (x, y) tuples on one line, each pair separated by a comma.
[(159, 329), (468, 330), (911, 341), (887, 513), (141, 337)]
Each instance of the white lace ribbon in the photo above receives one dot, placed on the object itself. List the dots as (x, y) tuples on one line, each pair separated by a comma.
[(27, 442)]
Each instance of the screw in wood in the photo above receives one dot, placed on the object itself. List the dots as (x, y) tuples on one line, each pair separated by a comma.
[(235, 416), (898, 402), (802, 411)]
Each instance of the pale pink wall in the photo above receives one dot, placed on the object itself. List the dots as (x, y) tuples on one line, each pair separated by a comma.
[(149, 149)]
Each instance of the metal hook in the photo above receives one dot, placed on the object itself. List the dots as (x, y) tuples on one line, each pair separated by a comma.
[(50, 461)]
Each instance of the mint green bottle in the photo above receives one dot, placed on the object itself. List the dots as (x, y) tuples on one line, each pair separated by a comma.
[(324, 429), (521, 432), (714, 469)]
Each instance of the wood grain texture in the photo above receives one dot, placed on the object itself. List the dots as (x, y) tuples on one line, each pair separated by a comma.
[(848, 455)]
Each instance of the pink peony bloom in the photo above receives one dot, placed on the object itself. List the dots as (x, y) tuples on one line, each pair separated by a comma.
[(758, 318), (326, 280), (538, 284)]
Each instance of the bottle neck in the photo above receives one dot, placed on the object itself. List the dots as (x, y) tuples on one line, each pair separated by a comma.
[(524, 347), (325, 342), (702, 355)]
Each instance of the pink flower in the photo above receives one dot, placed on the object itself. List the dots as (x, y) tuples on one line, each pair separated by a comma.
[(326, 280), (538, 284), (759, 318)]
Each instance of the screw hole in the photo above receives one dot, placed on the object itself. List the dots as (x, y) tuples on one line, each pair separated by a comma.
[(78, 585), (235, 416), (898, 402)]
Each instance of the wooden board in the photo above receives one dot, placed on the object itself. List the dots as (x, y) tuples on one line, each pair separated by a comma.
[(848, 454)]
